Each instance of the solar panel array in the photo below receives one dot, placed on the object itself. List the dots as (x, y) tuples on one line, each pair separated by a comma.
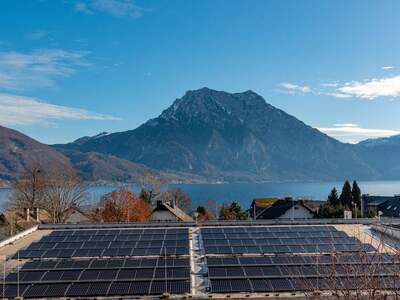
[(289, 258), (279, 240), (302, 273), (109, 243), (137, 262), (60, 266)]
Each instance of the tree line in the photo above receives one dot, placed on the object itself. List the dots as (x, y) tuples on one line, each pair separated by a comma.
[(349, 199), (54, 193), (60, 192)]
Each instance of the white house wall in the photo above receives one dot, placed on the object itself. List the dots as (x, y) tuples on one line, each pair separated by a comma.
[(163, 216), (299, 213)]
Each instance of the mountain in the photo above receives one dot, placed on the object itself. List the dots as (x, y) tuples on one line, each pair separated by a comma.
[(85, 139), (98, 167), (382, 154), (385, 141), (232, 137), (19, 152)]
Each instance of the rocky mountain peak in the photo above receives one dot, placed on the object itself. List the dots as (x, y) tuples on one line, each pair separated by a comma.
[(207, 105)]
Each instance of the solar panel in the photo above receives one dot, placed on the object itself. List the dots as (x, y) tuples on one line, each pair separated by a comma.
[(35, 291), (273, 240), (288, 273), (70, 275), (119, 288), (280, 285), (56, 290), (140, 288), (97, 288), (109, 243)]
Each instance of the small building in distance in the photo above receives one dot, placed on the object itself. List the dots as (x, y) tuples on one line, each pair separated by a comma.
[(389, 206), (165, 211), (283, 208)]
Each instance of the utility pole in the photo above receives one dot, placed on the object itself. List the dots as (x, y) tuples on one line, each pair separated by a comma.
[(292, 209), (4, 277)]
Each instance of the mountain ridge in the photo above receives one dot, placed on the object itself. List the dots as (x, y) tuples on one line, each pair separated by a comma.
[(210, 136), (393, 140), (19, 152), (233, 137)]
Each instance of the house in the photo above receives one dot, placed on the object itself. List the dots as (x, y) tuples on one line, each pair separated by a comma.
[(78, 216), (282, 208), (389, 206), (165, 211)]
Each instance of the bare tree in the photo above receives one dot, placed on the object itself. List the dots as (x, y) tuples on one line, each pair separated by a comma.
[(28, 189), (64, 193), (150, 187), (212, 207), (11, 219), (358, 275), (178, 198)]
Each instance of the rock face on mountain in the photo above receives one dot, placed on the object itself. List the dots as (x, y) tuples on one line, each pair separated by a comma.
[(19, 152), (232, 137)]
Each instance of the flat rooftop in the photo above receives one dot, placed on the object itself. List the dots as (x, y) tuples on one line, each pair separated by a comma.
[(207, 260)]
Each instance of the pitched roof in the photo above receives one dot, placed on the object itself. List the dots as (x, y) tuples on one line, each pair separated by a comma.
[(369, 200), (175, 210), (265, 201), (280, 207), (390, 208)]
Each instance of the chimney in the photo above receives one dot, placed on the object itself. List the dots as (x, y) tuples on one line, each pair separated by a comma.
[(37, 214), (27, 214)]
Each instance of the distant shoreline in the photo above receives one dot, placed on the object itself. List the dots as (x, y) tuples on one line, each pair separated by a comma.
[(99, 183), (244, 193)]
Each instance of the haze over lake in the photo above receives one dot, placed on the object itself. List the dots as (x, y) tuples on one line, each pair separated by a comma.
[(245, 192)]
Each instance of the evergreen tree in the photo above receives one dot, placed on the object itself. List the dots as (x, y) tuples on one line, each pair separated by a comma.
[(145, 196), (330, 211), (356, 193), (346, 196), (332, 208), (333, 198), (237, 210)]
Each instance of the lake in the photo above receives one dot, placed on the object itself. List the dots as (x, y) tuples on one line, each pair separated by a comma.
[(245, 192)]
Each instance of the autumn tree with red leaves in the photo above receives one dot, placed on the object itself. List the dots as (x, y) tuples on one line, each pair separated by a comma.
[(123, 206)]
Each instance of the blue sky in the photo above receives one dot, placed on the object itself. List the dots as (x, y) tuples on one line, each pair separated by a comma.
[(74, 68)]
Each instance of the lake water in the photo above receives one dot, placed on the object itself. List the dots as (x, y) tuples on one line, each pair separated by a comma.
[(245, 192)]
